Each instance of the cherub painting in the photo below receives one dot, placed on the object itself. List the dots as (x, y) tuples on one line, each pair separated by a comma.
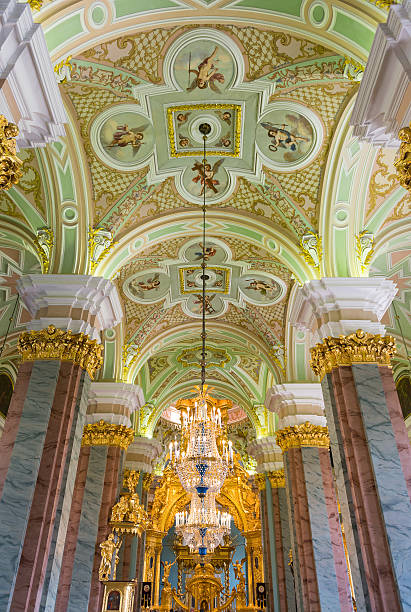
[(206, 175), (207, 305), (207, 251), (263, 288), (182, 117), (225, 116), (206, 73), (124, 136), (138, 288), (286, 137)]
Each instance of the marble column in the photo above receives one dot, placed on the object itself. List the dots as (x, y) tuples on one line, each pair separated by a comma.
[(369, 444), (40, 445)]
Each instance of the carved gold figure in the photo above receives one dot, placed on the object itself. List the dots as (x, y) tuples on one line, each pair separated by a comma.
[(10, 164), (109, 549)]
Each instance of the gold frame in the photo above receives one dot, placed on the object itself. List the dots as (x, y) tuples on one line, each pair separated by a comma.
[(222, 268)]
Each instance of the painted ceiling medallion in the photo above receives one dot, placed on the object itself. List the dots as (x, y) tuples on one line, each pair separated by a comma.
[(204, 83), (228, 281)]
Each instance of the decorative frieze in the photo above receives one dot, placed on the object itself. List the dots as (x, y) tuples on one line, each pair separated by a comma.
[(52, 343), (107, 434), (305, 434), (359, 347)]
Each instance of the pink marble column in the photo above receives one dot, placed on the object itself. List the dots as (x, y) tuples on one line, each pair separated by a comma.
[(34, 557), (115, 458)]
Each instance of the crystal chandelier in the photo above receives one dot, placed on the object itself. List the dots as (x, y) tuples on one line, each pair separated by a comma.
[(200, 465), (204, 527), (204, 455)]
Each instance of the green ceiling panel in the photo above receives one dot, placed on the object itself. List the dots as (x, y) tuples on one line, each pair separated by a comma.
[(286, 7), (63, 31), (352, 29), (126, 8)]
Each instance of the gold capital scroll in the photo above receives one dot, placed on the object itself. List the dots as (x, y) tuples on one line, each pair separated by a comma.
[(107, 434), (53, 343), (260, 481), (277, 479), (305, 434), (10, 164), (359, 347)]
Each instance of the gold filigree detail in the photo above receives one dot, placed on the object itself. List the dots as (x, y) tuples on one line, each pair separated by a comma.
[(35, 5), (100, 243), (305, 434), (130, 480), (10, 164), (53, 343), (359, 347), (403, 160), (277, 479), (44, 241), (107, 434), (260, 481), (353, 70), (63, 70), (189, 107)]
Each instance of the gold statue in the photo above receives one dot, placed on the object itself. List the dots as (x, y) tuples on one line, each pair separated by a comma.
[(239, 575), (109, 548), (403, 160), (167, 567), (10, 164), (119, 510)]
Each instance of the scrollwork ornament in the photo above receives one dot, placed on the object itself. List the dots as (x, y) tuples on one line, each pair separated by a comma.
[(277, 479), (107, 434), (306, 434), (53, 343), (311, 249), (403, 159), (10, 164), (44, 242), (359, 347), (364, 248)]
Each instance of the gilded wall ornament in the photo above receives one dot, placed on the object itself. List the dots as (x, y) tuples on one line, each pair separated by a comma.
[(311, 249), (403, 160), (53, 343), (305, 434), (353, 70), (44, 242), (10, 164), (364, 248), (107, 434), (359, 347), (109, 551), (100, 243), (63, 70), (129, 357), (277, 479)]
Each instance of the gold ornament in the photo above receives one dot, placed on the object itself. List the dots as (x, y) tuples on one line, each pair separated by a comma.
[(277, 479), (35, 5), (52, 343), (311, 249), (403, 159), (364, 248), (359, 347), (107, 434), (109, 549), (128, 515), (44, 241), (305, 434), (10, 164), (130, 480), (260, 481), (100, 243)]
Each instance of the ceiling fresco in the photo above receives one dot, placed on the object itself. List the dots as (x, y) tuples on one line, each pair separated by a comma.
[(291, 194)]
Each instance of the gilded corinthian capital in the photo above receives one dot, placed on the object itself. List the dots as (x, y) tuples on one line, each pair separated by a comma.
[(10, 164), (107, 434), (305, 434), (53, 343), (360, 347), (277, 479)]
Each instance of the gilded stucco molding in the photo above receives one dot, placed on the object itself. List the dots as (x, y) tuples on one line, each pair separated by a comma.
[(53, 343), (10, 164), (107, 434), (277, 479), (359, 347), (305, 434), (260, 481), (403, 161)]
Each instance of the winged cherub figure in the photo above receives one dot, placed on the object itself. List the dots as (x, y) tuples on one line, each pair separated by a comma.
[(206, 174), (281, 137), (125, 136), (206, 73), (150, 283)]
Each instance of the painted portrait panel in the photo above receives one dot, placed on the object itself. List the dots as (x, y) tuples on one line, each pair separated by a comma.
[(212, 179), (260, 289), (285, 137)]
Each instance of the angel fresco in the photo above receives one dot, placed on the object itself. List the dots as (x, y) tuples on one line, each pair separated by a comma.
[(207, 305), (124, 136), (182, 117), (263, 288), (224, 116), (206, 73), (206, 174), (207, 252), (281, 137), (138, 288)]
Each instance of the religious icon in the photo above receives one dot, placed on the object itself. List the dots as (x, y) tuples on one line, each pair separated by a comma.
[(124, 136), (281, 137), (206, 174), (206, 73), (113, 600)]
